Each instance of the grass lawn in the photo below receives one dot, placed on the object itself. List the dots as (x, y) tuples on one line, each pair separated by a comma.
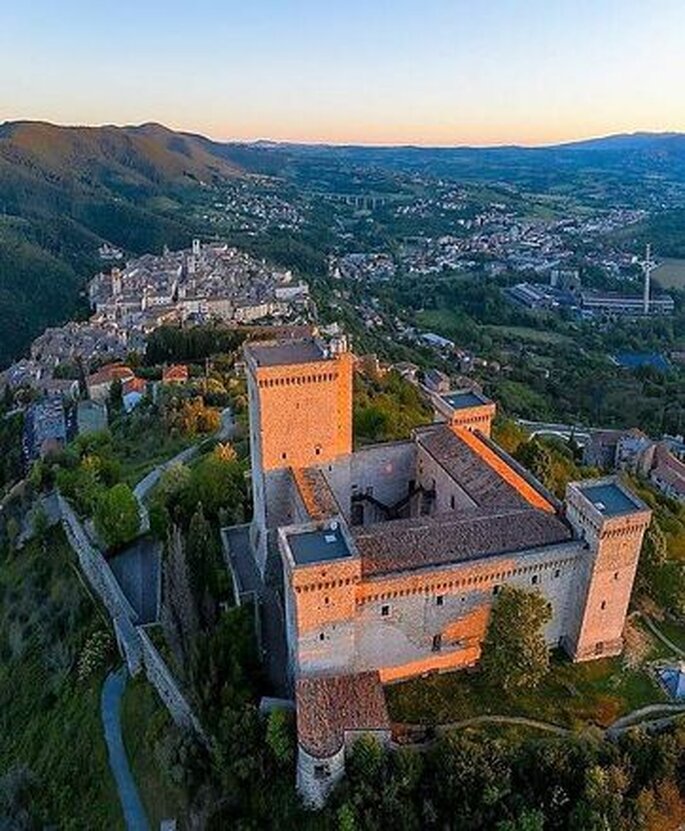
[(149, 736), (532, 335), (49, 719), (671, 274), (444, 322), (572, 695)]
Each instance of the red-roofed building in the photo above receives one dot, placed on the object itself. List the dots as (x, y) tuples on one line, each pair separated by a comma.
[(134, 385), (175, 374), (668, 473), (393, 555), (332, 711), (100, 382)]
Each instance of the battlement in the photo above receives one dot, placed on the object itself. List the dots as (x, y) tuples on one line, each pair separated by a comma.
[(300, 398), (599, 507), (612, 521), (284, 352), (317, 543), (291, 352), (466, 408)]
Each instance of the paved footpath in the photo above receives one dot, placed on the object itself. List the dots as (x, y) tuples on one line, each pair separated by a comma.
[(142, 490), (112, 692)]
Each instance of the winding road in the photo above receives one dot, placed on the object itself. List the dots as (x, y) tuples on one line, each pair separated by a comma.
[(110, 707), (147, 483)]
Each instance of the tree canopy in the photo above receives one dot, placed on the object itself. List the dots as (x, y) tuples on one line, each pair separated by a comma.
[(515, 655), (117, 519)]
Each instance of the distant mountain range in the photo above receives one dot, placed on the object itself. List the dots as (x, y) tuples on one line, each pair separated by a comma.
[(632, 142), (64, 190)]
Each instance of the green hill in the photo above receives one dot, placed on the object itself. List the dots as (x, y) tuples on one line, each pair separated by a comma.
[(65, 190)]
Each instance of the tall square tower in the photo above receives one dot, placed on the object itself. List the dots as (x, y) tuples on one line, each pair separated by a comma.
[(612, 521), (300, 407)]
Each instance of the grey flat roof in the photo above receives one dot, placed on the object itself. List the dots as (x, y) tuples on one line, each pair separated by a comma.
[(462, 400), (285, 352), (318, 546), (610, 499)]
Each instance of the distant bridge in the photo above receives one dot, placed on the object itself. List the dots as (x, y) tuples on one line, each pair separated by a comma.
[(360, 201)]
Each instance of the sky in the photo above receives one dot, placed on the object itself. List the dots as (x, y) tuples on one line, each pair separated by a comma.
[(431, 72)]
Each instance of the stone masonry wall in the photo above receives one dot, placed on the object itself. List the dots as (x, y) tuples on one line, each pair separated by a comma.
[(306, 412), (391, 623)]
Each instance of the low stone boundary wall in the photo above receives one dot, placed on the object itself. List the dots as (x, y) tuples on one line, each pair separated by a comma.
[(134, 643), (162, 679), (103, 582)]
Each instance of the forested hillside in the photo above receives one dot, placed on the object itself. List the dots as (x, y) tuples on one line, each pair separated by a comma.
[(65, 190)]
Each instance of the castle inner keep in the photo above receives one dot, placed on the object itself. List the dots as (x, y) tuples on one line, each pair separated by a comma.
[(384, 562)]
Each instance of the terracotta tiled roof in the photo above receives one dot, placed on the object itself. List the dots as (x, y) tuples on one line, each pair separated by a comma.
[(469, 470), (315, 493), (669, 469), (135, 385), (177, 373), (444, 538), (109, 373), (327, 706)]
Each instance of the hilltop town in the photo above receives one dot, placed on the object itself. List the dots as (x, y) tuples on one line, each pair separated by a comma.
[(207, 282)]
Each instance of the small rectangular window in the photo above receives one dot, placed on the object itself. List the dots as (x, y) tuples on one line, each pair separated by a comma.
[(604, 605), (385, 611), (495, 589), (437, 643), (534, 579), (440, 600), (557, 573)]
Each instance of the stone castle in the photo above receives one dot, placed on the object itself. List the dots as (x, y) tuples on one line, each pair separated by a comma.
[(383, 563)]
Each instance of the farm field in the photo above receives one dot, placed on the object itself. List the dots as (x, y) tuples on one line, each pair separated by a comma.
[(671, 274)]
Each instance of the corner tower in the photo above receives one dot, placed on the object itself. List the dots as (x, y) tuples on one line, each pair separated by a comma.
[(612, 521), (465, 408), (300, 408)]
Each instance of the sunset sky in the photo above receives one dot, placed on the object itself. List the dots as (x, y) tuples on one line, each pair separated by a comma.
[(432, 72)]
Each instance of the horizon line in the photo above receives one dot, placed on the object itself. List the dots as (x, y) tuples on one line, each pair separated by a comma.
[(343, 144)]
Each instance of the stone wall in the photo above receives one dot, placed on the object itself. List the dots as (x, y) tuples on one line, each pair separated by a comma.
[(300, 416), (320, 614), (304, 416), (162, 679), (413, 622), (103, 582), (134, 644), (383, 471), (316, 777)]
